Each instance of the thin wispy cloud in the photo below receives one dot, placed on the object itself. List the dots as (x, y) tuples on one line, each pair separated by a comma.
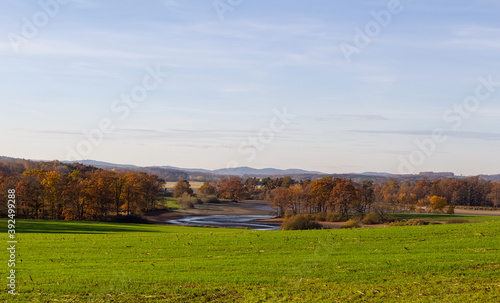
[(453, 134), (336, 117)]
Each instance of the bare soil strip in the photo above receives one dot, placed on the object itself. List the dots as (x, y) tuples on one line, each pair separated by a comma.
[(473, 212)]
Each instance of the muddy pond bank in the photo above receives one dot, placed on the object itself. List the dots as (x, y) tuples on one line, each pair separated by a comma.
[(226, 214)]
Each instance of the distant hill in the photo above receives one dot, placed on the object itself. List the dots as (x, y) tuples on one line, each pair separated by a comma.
[(201, 170), (369, 173), (101, 164), (167, 174), (248, 171), (437, 174), (171, 173), (490, 177), (199, 173)]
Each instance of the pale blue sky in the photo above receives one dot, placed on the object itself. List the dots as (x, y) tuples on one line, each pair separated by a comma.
[(227, 78)]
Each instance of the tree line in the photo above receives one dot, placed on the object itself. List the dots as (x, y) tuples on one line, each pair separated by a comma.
[(57, 191), (346, 197)]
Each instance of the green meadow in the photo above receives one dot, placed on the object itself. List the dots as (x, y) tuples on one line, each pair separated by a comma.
[(107, 262)]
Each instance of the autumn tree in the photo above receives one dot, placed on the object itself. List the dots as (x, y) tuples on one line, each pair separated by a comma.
[(477, 191), (343, 196), (232, 189), (118, 183), (29, 194), (252, 183), (307, 198), (286, 181), (131, 194), (438, 204), (320, 193), (366, 197), (74, 196), (281, 198), (268, 183), (99, 194), (182, 187), (52, 193), (298, 198), (407, 201), (494, 194), (422, 189), (423, 204), (151, 185), (208, 189), (390, 193)]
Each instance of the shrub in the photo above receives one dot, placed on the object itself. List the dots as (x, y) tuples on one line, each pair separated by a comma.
[(350, 224), (451, 209), (438, 204), (333, 217), (299, 222), (209, 199), (416, 222), (399, 223), (319, 216), (411, 222), (372, 218), (387, 218), (187, 201), (455, 221)]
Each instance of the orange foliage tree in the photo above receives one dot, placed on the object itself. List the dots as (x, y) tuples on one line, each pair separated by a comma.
[(232, 189)]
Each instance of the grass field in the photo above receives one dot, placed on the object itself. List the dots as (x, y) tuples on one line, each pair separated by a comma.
[(169, 203), (195, 185), (103, 262), (444, 218)]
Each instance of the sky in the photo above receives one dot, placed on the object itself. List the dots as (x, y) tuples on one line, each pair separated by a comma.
[(332, 86)]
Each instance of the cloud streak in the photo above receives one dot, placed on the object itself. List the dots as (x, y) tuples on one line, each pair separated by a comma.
[(452, 134), (339, 117), (170, 134)]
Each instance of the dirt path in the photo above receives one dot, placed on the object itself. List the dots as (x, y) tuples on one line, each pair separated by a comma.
[(477, 212)]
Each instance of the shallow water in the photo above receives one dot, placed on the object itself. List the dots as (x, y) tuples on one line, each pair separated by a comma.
[(245, 221)]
